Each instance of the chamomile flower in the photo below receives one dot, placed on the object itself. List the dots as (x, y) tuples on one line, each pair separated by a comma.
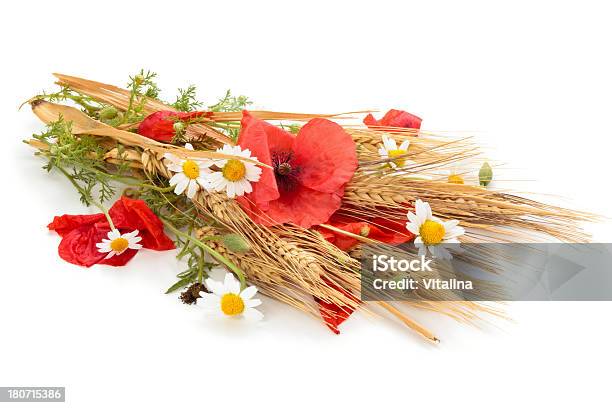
[(227, 299), (431, 233), (389, 150), (117, 243), (236, 175), (454, 177), (190, 175)]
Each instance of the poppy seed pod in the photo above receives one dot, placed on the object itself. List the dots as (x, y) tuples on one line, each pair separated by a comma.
[(485, 175)]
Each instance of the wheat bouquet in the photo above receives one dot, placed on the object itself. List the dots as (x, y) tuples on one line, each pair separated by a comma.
[(283, 201)]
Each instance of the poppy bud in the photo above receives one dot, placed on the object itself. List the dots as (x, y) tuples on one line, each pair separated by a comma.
[(485, 175), (138, 79), (178, 127), (108, 112), (236, 243)]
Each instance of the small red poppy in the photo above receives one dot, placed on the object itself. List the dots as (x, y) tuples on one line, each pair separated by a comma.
[(81, 233), (394, 118), (309, 171), (160, 125), (379, 229)]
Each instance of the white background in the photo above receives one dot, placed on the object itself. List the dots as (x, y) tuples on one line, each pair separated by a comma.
[(531, 79)]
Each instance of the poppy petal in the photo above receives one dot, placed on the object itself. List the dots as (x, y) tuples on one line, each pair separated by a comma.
[(131, 214), (333, 314), (304, 207), (119, 260), (160, 125), (394, 118), (261, 139), (379, 229), (65, 223), (326, 155), (79, 245)]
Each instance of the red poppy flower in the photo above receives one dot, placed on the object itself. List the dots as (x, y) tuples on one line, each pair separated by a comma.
[(81, 233), (394, 118), (379, 229), (332, 314), (306, 184), (160, 125)]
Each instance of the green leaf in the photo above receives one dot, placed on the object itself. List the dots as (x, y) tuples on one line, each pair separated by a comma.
[(180, 284)]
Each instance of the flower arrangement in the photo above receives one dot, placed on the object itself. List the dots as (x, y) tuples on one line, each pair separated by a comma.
[(282, 201)]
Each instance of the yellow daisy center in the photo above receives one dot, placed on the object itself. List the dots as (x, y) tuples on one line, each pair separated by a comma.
[(431, 232), (191, 169), (232, 304), (119, 244), (455, 179), (397, 153), (234, 170)]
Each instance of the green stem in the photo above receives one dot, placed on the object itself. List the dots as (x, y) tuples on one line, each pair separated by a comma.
[(156, 188), (80, 100), (229, 125), (211, 251), (210, 238), (130, 181), (89, 197), (130, 103), (200, 266)]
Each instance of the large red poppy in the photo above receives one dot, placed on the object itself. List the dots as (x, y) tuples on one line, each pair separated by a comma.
[(81, 233), (160, 125), (394, 118), (379, 229), (309, 171)]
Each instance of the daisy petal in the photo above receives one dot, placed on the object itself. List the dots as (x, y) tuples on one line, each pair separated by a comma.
[(449, 225), (231, 284), (248, 293), (192, 189), (389, 143), (215, 287), (252, 303), (413, 228), (181, 186)]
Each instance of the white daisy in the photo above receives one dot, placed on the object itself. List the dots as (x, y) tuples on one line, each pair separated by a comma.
[(190, 174), (389, 149), (227, 299), (431, 232), (236, 175), (117, 243)]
